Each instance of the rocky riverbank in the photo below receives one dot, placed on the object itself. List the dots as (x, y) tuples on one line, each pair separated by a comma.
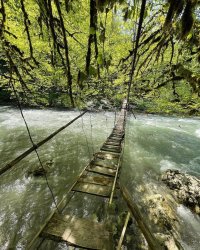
[(186, 188), (159, 212)]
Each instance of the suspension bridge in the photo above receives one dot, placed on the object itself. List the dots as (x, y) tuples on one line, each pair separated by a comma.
[(99, 179)]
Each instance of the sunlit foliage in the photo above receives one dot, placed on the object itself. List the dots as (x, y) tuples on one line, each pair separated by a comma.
[(66, 53)]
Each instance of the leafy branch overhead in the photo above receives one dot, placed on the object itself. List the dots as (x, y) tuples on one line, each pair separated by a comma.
[(84, 49)]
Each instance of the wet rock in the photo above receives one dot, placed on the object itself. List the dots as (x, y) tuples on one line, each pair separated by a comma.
[(98, 105), (105, 104), (167, 241), (41, 170), (194, 111), (185, 187), (160, 213)]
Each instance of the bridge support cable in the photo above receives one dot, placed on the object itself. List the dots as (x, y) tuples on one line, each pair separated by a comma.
[(31, 139), (36, 146)]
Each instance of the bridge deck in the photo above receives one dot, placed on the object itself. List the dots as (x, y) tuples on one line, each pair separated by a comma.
[(79, 232), (99, 179)]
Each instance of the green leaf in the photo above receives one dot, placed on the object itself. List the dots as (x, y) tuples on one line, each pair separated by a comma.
[(100, 59), (92, 71), (146, 13), (92, 30), (102, 37), (82, 76), (102, 33), (189, 36)]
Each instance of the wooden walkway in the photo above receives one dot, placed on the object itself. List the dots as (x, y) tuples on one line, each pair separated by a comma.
[(99, 179)]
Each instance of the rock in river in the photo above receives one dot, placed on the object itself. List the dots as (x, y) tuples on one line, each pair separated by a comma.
[(185, 187)]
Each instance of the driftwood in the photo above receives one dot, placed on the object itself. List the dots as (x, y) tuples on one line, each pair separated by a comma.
[(36, 146)]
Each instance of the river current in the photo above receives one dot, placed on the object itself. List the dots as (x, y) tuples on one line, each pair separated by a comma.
[(152, 144)]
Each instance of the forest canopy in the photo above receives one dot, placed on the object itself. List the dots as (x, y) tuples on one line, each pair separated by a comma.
[(71, 53)]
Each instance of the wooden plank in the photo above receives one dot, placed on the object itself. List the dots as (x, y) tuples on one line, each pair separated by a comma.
[(105, 164), (102, 170), (115, 143), (114, 160), (113, 154), (97, 179), (111, 146), (117, 134), (106, 155), (112, 138), (60, 205), (113, 150), (117, 138), (118, 130), (93, 189), (79, 232)]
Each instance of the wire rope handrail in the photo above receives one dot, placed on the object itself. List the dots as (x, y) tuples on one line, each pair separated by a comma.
[(36, 146)]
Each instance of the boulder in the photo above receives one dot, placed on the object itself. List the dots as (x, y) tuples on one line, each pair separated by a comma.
[(159, 210), (40, 170), (186, 188)]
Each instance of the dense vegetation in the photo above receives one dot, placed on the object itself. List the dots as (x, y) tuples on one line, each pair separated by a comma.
[(76, 53)]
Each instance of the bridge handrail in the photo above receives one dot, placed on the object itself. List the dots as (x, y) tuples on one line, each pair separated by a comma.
[(36, 146)]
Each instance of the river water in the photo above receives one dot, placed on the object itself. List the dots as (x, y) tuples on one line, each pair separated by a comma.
[(152, 145)]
